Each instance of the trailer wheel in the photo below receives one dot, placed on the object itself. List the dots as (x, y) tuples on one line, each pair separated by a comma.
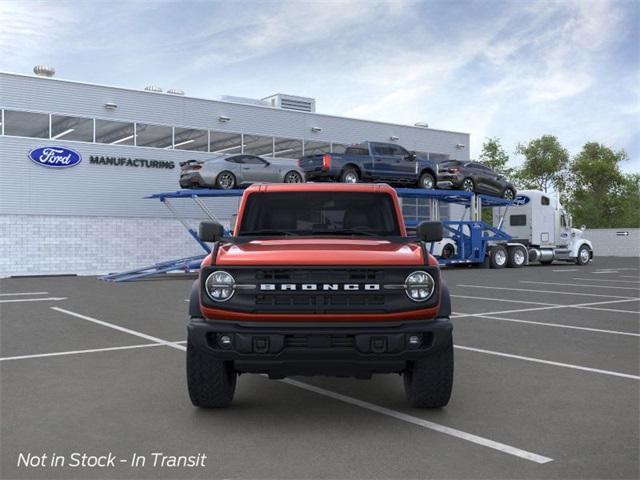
[(517, 257), (584, 255), (499, 257)]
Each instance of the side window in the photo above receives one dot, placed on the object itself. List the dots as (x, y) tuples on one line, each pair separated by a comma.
[(544, 201), (250, 159), (518, 220), (399, 151), (237, 159), (563, 220)]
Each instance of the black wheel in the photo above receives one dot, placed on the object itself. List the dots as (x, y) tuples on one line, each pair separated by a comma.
[(517, 257), (211, 382), (349, 175), (226, 180), (448, 251), (427, 181), (293, 177), (498, 257), (428, 381), (468, 185), (584, 255), (508, 194)]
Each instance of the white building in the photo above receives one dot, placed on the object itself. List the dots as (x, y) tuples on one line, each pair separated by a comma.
[(93, 218)]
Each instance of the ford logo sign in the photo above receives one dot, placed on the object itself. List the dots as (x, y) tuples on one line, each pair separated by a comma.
[(521, 200), (55, 157)]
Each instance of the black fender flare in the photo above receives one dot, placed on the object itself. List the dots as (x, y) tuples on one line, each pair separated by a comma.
[(445, 301), (194, 301)]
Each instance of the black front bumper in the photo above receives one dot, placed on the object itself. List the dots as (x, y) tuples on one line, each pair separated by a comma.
[(344, 350)]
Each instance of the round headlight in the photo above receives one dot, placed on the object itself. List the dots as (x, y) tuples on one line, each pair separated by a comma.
[(419, 286), (220, 286)]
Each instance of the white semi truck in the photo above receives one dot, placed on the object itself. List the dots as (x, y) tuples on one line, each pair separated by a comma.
[(538, 221)]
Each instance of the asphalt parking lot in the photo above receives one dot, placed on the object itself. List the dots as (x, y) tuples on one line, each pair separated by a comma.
[(546, 386)]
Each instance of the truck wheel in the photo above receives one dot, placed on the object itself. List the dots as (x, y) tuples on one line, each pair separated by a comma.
[(584, 255), (427, 181), (211, 382), (499, 257), (349, 175), (428, 381), (517, 257), (226, 180)]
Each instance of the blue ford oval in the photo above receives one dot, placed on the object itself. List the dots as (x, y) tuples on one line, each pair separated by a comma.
[(55, 157)]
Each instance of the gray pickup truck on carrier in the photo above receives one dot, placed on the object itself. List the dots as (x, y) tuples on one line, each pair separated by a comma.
[(372, 162)]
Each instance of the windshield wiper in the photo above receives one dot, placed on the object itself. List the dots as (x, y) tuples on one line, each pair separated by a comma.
[(266, 231)]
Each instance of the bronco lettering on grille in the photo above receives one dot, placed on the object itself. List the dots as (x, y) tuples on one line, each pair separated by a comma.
[(319, 286)]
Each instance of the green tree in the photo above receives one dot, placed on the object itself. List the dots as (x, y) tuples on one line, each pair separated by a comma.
[(545, 164), (600, 195), (494, 156)]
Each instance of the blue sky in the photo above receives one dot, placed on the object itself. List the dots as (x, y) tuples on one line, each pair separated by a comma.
[(514, 69)]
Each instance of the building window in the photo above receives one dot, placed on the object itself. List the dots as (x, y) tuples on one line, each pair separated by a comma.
[(438, 157), (26, 124), (157, 136), (225, 143), (190, 139), (315, 148), (287, 148), (71, 128), (114, 133), (258, 145)]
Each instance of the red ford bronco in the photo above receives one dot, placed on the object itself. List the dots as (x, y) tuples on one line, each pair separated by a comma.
[(319, 279)]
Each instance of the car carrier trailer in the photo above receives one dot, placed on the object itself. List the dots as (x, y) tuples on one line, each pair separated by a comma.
[(470, 240)]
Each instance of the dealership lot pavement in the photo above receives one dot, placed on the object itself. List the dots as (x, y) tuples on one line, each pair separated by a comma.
[(546, 386)]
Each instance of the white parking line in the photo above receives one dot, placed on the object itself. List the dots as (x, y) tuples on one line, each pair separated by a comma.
[(604, 280), (502, 300), (20, 300), (528, 290), (469, 437), (567, 270), (121, 329), (76, 352), (558, 325), (549, 362), (628, 276), (579, 305), (582, 285), (23, 293)]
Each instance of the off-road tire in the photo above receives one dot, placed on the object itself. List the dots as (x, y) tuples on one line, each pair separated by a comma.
[(428, 381), (425, 178), (347, 172), (211, 382), (499, 257)]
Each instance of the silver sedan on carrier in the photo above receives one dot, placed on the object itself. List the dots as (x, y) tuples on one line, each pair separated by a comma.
[(239, 170)]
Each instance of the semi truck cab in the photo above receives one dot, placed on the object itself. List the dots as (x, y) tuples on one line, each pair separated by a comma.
[(538, 221)]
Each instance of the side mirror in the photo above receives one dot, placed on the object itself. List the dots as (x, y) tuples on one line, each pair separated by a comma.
[(412, 156), (210, 231), (430, 231), (583, 228)]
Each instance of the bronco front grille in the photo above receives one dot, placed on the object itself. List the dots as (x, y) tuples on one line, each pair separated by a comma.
[(284, 290)]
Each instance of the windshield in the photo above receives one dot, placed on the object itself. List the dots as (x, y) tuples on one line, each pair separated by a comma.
[(319, 213)]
